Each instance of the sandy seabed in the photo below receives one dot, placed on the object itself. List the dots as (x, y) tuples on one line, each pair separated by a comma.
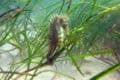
[(90, 68)]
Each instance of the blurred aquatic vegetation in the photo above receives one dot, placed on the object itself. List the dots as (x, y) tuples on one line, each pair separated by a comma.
[(94, 32)]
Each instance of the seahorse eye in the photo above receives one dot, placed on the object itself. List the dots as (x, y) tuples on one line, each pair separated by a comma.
[(61, 21), (65, 24)]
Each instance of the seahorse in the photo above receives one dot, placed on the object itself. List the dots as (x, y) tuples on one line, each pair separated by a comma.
[(58, 29)]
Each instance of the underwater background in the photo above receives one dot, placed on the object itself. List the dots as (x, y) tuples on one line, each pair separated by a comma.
[(91, 51)]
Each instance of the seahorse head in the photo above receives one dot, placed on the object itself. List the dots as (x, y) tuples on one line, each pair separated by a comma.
[(62, 20)]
